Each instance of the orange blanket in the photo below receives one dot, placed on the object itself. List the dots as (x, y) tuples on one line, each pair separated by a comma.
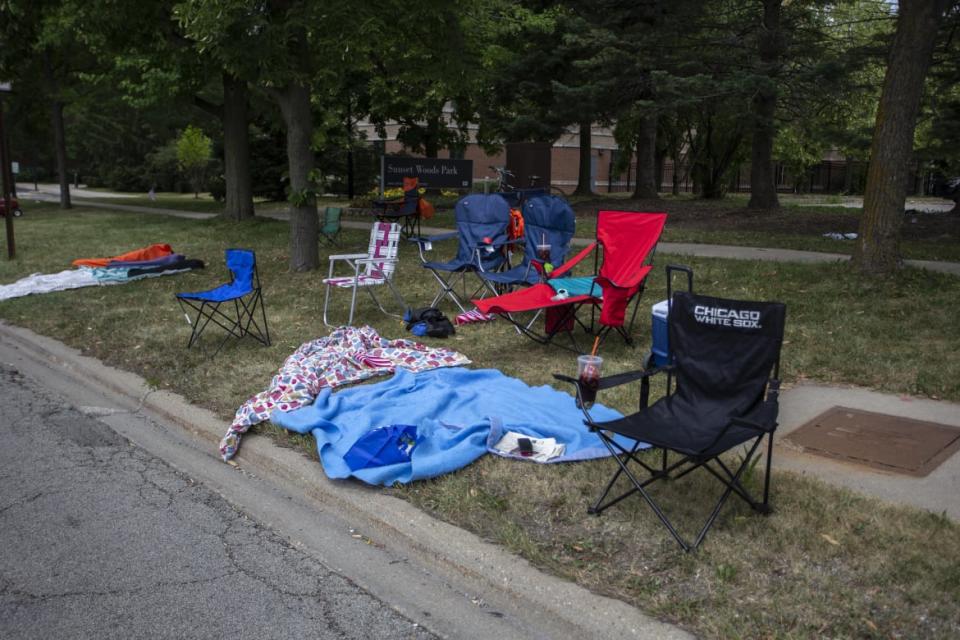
[(152, 252)]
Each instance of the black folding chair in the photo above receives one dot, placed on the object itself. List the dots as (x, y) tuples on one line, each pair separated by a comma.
[(243, 291), (722, 389), (404, 211)]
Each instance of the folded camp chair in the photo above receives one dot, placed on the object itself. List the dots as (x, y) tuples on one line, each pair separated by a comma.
[(379, 264), (624, 249), (481, 233), (330, 229), (237, 319), (726, 360), (404, 210), (547, 220)]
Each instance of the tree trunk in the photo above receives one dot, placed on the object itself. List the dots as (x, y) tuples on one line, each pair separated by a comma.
[(294, 100), (60, 148), (236, 150), (661, 160), (675, 158), (878, 249), (646, 185), (763, 189), (584, 188), (431, 139), (59, 134)]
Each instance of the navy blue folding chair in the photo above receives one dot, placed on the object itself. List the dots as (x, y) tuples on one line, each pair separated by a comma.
[(548, 227), (237, 319), (482, 222)]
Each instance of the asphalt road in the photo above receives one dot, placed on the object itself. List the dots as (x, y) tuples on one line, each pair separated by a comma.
[(100, 539)]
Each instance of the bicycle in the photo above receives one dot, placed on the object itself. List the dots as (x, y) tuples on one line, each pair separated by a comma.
[(503, 183), (503, 179)]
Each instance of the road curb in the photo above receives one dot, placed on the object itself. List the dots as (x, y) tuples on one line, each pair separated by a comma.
[(435, 542)]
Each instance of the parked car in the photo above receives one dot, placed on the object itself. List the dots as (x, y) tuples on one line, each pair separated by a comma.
[(14, 205)]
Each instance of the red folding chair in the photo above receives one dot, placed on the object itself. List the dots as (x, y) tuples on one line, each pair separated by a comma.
[(626, 241)]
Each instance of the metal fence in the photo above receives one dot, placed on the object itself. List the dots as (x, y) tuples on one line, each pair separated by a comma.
[(828, 177)]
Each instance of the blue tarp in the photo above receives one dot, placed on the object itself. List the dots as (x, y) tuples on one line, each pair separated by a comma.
[(458, 413)]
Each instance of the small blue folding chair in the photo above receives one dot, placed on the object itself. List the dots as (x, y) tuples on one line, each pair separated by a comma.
[(243, 291), (482, 222)]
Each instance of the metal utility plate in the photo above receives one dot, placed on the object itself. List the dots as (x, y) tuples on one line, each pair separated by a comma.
[(878, 440)]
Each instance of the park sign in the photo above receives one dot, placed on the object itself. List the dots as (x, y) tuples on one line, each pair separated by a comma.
[(434, 173)]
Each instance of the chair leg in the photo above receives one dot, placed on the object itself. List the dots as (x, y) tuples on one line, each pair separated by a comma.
[(396, 296), (326, 303), (732, 484), (249, 313), (236, 325), (263, 314), (353, 301), (195, 327), (653, 505), (766, 479), (448, 289)]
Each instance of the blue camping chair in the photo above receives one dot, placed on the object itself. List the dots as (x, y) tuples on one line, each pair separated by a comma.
[(482, 222), (245, 294), (547, 221)]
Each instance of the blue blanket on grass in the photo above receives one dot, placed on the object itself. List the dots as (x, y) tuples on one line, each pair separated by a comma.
[(459, 414)]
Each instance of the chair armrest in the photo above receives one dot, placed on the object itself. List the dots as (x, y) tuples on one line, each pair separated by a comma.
[(348, 256), (765, 416), (366, 260), (571, 263), (383, 203), (750, 424), (437, 238), (505, 243), (618, 379), (767, 411)]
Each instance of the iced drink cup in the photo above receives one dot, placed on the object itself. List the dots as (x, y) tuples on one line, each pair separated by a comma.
[(588, 373), (543, 252)]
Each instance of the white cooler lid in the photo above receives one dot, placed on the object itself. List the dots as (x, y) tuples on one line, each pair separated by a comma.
[(661, 309)]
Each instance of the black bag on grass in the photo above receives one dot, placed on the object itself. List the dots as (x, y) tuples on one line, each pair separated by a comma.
[(428, 321)]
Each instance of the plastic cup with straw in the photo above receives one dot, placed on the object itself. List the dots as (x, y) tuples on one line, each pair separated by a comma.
[(588, 374)]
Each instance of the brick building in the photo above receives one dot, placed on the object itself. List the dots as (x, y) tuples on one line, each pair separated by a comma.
[(564, 157)]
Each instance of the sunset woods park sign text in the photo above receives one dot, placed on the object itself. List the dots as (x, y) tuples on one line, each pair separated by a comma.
[(432, 172)]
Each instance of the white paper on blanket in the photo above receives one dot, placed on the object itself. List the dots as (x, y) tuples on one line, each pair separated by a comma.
[(544, 449)]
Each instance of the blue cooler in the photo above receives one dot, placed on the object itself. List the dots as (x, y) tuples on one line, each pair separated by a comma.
[(658, 329)]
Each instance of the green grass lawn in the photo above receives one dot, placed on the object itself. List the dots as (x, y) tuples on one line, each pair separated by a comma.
[(799, 224), (827, 563)]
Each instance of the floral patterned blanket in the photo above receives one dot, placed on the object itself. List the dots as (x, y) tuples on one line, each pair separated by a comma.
[(348, 354)]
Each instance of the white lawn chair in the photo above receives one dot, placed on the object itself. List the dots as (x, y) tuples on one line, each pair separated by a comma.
[(379, 264)]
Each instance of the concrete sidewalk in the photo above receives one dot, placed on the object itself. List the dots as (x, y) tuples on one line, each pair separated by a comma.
[(938, 492), (674, 248)]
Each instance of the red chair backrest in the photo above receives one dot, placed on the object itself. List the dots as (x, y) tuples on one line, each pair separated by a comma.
[(627, 238)]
